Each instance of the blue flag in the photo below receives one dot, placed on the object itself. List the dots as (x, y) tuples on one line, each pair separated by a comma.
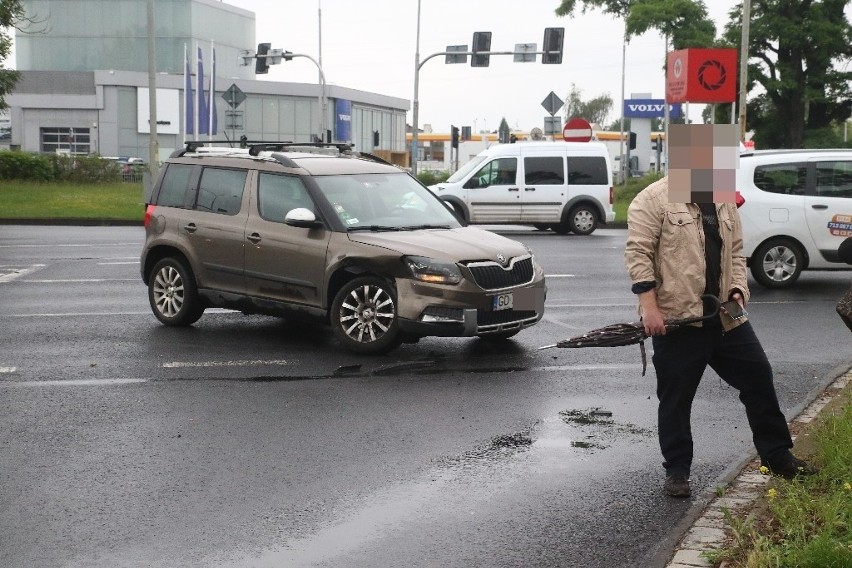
[(203, 124), (212, 101), (188, 106)]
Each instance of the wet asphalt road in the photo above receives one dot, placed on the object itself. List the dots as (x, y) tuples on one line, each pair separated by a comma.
[(251, 441)]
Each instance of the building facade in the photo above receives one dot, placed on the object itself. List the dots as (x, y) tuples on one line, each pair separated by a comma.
[(84, 84)]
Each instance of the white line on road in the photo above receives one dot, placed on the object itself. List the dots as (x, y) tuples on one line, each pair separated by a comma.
[(187, 364), (118, 262), (8, 369), (19, 272), (81, 280), (561, 275), (57, 245), (73, 383)]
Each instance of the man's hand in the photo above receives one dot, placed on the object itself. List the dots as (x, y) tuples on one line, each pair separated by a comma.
[(652, 318)]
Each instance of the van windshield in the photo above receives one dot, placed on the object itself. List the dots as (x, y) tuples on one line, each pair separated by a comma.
[(466, 169)]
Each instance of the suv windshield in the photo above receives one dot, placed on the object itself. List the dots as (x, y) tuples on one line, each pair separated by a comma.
[(384, 201)]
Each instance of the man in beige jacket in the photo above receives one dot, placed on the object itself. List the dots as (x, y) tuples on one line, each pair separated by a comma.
[(675, 253)]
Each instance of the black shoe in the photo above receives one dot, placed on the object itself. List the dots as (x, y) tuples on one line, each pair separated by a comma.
[(789, 467), (677, 486)]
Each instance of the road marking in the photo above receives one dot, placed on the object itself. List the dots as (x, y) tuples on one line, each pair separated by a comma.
[(15, 273), (7, 369), (80, 280), (560, 275), (188, 364), (74, 314), (73, 383), (70, 245), (118, 262)]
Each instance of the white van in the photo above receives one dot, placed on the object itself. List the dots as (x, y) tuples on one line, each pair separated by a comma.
[(564, 186)]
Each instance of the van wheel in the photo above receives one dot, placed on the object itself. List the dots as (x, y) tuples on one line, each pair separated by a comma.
[(364, 316), (582, 220), (172, 293), (777, 263)]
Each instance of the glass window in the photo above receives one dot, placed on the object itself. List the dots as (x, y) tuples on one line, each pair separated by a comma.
[(65, 140), (786, 179), (834, 179), (221, 191), (549, 170), (278, 195), (587, 170), (501, 171), (173, 189)]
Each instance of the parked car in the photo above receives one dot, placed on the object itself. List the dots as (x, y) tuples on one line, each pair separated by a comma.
[(318, 230), (796, 210), (564, 186)]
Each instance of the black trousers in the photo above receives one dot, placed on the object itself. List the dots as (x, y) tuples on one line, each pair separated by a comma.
[(680, 358)]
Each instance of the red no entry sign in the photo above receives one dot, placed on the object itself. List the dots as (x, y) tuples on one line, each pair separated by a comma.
[(577, 130)]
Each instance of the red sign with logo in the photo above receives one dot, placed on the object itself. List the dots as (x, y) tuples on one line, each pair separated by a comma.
[(701, 76)]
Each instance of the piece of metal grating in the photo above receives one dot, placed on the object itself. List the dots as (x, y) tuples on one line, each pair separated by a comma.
[(491, 275)]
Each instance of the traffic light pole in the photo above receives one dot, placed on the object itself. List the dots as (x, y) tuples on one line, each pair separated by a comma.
[(415, 106), (322, 99)]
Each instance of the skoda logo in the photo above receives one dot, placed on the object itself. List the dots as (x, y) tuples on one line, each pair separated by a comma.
[(501, 259)]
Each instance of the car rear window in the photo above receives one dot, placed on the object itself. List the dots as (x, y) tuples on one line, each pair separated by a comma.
[(173, 189), (547, 170), (786, 179), (587, 170)]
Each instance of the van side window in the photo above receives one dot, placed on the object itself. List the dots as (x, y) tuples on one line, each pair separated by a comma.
[(221, 191), (173, 189), (548, 170), (501, 171), (277, 195), (834, 179), (587, 170), (786, 179)]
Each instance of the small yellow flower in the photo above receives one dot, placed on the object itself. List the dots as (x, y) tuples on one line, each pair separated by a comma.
[(772, 493), (764, 470), (847, 486)]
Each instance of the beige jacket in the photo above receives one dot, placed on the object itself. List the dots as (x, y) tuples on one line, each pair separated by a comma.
[(665, 244)]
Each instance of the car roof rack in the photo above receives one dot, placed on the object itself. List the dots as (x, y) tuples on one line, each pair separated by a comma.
[(255, 147)]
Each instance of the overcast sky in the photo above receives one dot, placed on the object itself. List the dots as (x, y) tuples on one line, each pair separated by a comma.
[(370, 45)]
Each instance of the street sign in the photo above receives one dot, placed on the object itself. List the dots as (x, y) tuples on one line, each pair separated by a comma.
[(552, 125), (453, 57), (234, 96), (524, 52), (577, 130), (552, 103)]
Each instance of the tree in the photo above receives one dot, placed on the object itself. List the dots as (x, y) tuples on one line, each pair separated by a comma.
[(685, 22), (594, 110), (800, 50), (11, 13)]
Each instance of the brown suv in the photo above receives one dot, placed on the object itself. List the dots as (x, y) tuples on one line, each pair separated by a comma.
[(316, 229)]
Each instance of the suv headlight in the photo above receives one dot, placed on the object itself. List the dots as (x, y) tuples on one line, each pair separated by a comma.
[(429, 270)]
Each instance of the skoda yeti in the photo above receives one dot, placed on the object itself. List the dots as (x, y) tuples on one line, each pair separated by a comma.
[(317, 229)]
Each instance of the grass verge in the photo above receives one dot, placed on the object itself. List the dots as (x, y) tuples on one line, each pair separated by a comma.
[(108, 201), (802, 523)]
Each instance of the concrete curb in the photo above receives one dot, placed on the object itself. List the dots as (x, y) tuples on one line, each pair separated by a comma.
[(708, 531)]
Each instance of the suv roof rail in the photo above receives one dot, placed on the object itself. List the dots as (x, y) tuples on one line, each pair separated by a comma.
[(256, 147), (374, 158)]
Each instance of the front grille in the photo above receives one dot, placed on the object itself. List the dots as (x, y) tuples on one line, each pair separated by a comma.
[(490, 275)]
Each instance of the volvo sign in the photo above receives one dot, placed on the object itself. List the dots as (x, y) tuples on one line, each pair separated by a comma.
[(649, 108)]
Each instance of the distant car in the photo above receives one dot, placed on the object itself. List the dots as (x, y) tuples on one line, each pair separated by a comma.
[(796, 210), (318, 230)]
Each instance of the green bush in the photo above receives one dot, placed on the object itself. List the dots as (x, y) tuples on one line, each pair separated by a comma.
[(85, 169), (431, 177), (15, 164)]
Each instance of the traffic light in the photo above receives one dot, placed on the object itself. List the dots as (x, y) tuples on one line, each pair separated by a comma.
[(261, 64), (481, 42), (454, 136), (632, 140), (553, 39)]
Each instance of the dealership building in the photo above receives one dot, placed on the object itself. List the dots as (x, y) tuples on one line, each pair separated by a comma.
[(84, 84)]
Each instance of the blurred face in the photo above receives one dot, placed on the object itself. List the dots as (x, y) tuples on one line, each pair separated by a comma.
[(703, 162)]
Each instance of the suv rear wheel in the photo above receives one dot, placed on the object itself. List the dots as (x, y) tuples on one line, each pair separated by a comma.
[(364, 316), (172, 293), (777, 263)]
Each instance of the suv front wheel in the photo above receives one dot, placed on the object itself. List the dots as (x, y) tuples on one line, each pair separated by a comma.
[(172, 293), (777, 263), (364, 316)]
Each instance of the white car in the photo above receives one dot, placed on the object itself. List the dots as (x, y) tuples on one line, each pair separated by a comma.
[(796, 210)]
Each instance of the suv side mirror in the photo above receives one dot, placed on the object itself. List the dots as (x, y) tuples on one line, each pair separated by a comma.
[(301, 217)]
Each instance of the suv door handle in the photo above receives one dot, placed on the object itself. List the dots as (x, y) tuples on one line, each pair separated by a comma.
[(820, 207), (529, 189), (190, 228), (254, 238)]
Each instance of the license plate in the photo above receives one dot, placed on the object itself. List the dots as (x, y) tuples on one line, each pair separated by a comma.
[(502, 302)]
